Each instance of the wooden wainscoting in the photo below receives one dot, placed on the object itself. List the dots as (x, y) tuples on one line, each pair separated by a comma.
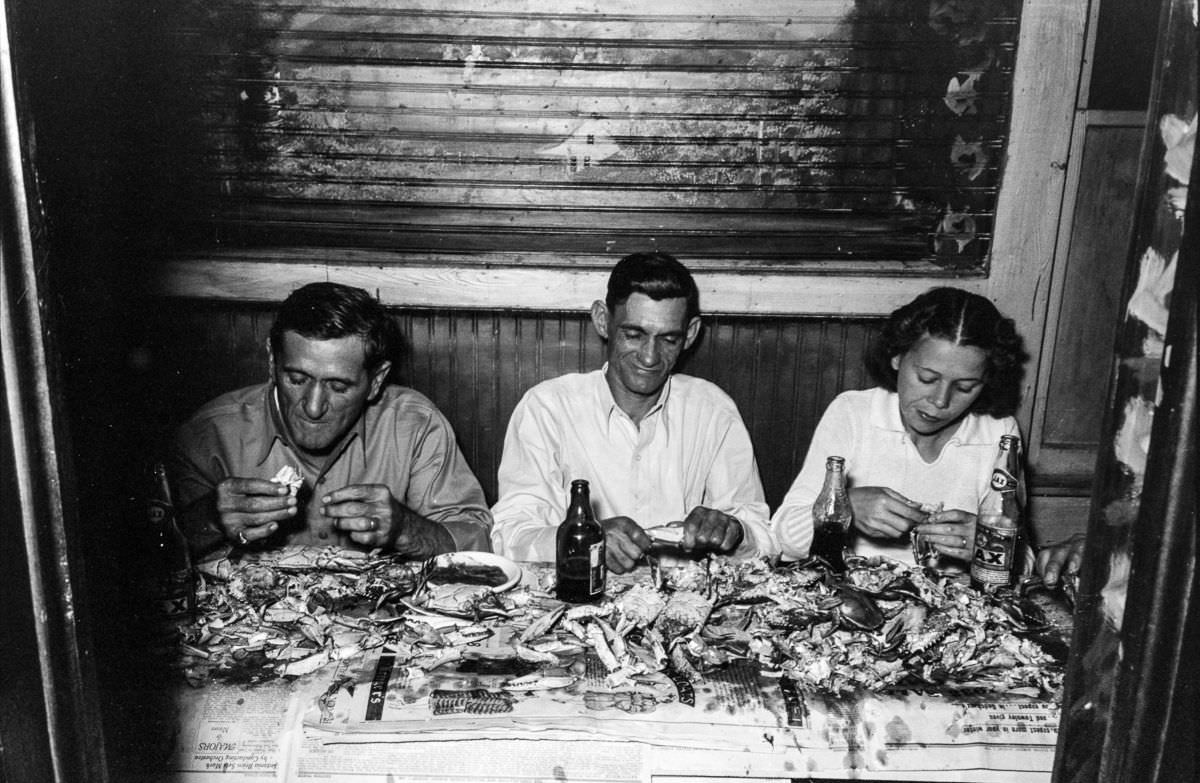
[(475, 365)]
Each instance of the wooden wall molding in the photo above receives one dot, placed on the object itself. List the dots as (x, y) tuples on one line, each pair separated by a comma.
[(268, 277)]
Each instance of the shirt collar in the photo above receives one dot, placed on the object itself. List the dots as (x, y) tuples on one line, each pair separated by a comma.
[(885, 411), (608, 404)]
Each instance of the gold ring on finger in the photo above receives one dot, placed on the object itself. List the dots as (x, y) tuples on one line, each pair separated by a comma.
[(242, 537)]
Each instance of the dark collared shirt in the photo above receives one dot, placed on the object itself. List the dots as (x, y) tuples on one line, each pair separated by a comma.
[(401, 441)]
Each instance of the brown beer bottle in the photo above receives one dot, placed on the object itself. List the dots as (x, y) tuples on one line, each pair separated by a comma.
[(579, 558), (999, 545), (832, 516)]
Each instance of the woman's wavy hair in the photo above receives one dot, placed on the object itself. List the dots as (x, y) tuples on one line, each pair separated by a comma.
[(963, 318), (325, 311)]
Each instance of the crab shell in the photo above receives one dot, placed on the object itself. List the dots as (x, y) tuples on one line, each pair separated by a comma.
[(857, 609), (291, 478)]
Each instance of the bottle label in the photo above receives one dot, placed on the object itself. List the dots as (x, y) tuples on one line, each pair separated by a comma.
[(1003, 481), (596, 570), (995, 545), (175, 594)]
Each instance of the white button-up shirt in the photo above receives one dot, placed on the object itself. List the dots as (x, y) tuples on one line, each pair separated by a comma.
[(865, 428), (691, 449)]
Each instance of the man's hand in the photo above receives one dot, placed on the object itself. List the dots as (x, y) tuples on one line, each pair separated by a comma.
[(952, 533), (1061, 559), (709, 530), (250, 509), (375, 519), (624, 543), (883, 513)]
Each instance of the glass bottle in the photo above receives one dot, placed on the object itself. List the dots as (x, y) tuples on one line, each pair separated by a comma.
[(832, 516), (579, 556), (999, 545), (171, 570)]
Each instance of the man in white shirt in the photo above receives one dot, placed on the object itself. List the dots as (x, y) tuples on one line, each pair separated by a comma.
[(656, 448)]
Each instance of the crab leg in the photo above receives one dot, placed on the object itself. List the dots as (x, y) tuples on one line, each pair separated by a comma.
[(614, 639), (535, 656), (576, 628), (542, 624), (595, 637)]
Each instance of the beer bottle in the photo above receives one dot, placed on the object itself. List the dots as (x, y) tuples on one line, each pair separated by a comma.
[(579, 558), (832, 516), (999, 544), (172, 576)]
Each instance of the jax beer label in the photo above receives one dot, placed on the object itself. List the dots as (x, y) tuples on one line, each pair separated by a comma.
[(995, 546)]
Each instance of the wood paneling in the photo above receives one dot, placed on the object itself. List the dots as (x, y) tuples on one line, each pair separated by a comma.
[(475, 365)]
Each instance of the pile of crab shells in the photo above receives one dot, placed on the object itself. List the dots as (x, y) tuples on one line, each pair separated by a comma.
[(288, 615), (881, 625)]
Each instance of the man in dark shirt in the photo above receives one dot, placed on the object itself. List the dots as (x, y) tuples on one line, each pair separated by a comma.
[(380, 465)]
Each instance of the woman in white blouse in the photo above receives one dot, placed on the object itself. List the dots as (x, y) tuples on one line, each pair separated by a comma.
[(948, 367)]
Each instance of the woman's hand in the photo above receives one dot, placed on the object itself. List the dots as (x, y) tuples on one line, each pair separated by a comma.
[(883, 513), (951, 532)]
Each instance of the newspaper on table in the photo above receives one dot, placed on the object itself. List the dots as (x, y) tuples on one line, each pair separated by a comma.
[(735, 709), (362, 719)]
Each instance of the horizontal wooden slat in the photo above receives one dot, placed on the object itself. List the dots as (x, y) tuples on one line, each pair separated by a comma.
[(566, 196), (779, 11), (808, 141), (430, 216), (782, 253)]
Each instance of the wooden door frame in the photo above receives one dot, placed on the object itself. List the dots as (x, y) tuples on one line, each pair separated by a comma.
[(50, 725)]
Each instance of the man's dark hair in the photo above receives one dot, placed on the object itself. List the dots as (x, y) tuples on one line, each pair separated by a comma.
[(963, 318), (326, 311), (657, 275)]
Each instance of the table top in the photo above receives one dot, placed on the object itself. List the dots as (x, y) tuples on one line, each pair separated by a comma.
[(533, 692)]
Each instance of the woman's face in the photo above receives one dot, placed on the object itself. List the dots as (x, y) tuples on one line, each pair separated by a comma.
[(937, 382)]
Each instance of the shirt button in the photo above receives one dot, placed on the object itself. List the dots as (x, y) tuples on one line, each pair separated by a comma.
[(324, 534), (321, 480)]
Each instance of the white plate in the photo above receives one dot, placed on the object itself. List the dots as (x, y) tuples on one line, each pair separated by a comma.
[(511, 571)]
